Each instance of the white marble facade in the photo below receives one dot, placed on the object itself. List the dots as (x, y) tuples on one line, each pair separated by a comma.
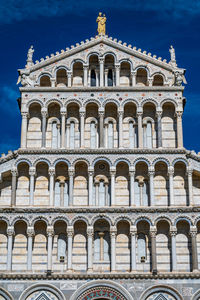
[(101, 199)]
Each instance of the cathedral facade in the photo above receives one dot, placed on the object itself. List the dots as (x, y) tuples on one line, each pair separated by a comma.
[(101, 200)]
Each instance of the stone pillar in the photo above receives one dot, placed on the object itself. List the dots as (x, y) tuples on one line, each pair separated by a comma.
[(90, 185), (70, 233), (53, 82), (173, 232), (133, 233), (153, 250), (44, 121), (96, 193), (85, 75), (101, 64), (193, 233), (63, 122), (159, 127), (24, 129), (151, 172), (106, 77), (97, 77), (69, 78), (171, 185), (71, 185), (150, 81), (50, 233), (113, 232), (140, 131), (179, 129), (101, 127), (120, 135), (133, 78), (62, 186), (30, 234), (82, 119), (51, 186), (68, 136), (132, 185), (10, 234), (90, 234), (190, 188), (32, 181), (14, 186), (112, 175), (117, 74)]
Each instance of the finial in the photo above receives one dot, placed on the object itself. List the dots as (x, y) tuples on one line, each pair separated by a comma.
[(101, 21), (173, 56), (29, 61)]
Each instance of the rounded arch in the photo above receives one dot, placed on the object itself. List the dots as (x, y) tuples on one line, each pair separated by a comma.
[(111, 53), (129, 100), (41, 287), (125, 160), (56, 101), (77, 60), (101, 159), (143, 218), (46, 73), (5, 294), (142, 67), (22, 160), (159, 73), (163, 218), (92, 101), (180, 159), (196, 220), (183, 218), (60, 218), (111, 100), (101, 217), (161, 159), (6, 220), (40, 160), (168, 101), (34, 101), (121, 292), (148, 119), (162, 289), (79, 218), (142, 159), (149, 100), (21, 218), (64, 160), (122, 218), (127, 60), (72, 101), (91, 54), (57, 68), (79, 160), (40, 218)]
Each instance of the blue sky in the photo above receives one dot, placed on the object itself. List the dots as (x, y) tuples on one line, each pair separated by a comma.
[(52, 25)]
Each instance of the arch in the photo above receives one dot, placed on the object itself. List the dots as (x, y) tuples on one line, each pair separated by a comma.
[(57, 68), (196, 295), (117, 161), (5, 294), (64, 160), (111, 100), (46, 73), (183, 218), (101, 159), (196, 220), (79, 160), (92, 101), (163, 218), (127, 60), (56, 101), (34, 101), (40, 287), (6, 220), (91, 54), (72, 101), (161, 159), (40, 218), (79, 218), (143, 218), (129, 100), (77, 60), (142, 159), (60, 218), (45, 80), (110, 119), (110, 53), (122, 293), (161, 288), (22, 160), (159, 73), (20, 218), (40, 160), (54, 119), (149, 100), (101, 217), (148, 119), (180, 159), (168, 101), (122, 218), (143, 67)]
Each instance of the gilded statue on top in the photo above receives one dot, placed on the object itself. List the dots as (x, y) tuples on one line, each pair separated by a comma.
[(101, 20)]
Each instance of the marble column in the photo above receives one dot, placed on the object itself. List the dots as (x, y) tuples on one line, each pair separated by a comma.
[(117, 74), (133, 233), (32, 172), (44, 121), (24, 129), (132, 185), (68, 135), (82, 126), (140, 130), (120, 135), (171, 185), (90, 234), (159, 127), (10, 234), (106, 77), (51, 186), (150, 81), (14, 186), (70, 233), (96, 184), (71, 185), (193, 234), (173, 232), (30, 234), (85, 75), (90, 186), (151, 172), (190, 186), (133, 78), (112, 175), (153, 250), (53, 82), (101, 128), (113, 233), (179, 129), (69, 79), (101, 64), (97, 76), (62, 187), (50, 233), (63, 122)]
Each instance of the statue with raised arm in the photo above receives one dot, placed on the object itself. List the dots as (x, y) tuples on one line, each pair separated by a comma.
[(29, 61), (101, 21)]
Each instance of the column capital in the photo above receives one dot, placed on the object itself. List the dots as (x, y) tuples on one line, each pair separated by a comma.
[(70, 231), (151, 171), (117, 66), (101, 112), (14, 172), (85, 67), (52, 171), (139, 112), (159, 112), (133, 73), (90, 231), (132, 169), (173, 231), (50, 231), (71, 171), (69, 73), (189, 171), (193, 231), (24, 114), (112, 171), (120, 112), (30, 231), (170, 170), (113, 231), (63, 111), (133, 230), (179, 114), (10, 231), (153, 231), (90, 170), (101, 59), (32, 171)]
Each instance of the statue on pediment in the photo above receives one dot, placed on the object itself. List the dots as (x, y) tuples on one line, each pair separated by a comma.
[(29, 61), (173, 56), (101, 21)]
